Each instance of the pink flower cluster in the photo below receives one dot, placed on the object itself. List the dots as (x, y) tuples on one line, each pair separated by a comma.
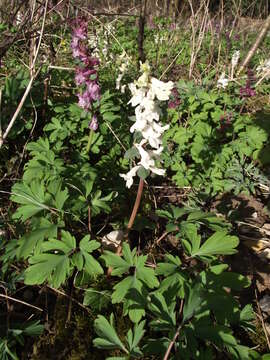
[(86, 72)]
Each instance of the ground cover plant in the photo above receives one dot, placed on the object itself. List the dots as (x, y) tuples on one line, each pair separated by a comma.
[(134, 180)]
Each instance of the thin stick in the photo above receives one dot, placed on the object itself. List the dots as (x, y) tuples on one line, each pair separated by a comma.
[(20, 301), (114, 134), (170, 65), (72, 299), (14, 117), (61, 68), (262, 321), (166, 356), (33, 76)]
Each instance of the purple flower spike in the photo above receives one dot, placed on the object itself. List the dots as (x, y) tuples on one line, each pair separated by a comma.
[(80, 29), (79, 33), (86, 73), (93, 125), (83, 75), (93, 90), (84, 100)]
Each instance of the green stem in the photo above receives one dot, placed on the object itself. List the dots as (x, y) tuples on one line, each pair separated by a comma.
[(90, 139)]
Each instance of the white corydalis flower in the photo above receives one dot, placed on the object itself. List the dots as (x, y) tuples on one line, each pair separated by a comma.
[(235, 58), (148, 158), (263, 69), (222, 81), (124, 63), (234, 62), (146, 92), (130, 175), (161, 90)]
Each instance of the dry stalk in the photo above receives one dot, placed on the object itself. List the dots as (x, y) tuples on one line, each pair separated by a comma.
[(14, 117), (20, 302), (221, 29), (255, 45), (34, 74), (197, 40)]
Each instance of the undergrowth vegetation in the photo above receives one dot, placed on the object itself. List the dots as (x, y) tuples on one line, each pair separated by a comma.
[(99, 113)]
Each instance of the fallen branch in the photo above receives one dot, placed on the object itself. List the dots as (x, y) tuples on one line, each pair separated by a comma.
[(255, 45)]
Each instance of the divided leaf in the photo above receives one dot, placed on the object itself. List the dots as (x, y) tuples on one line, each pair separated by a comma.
[(218, 244), (108, 337)]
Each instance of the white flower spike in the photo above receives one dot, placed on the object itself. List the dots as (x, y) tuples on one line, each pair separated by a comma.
[(146, 93)]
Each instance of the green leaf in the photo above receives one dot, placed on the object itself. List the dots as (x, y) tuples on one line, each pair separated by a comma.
[(108, 337), (54, 268), (218, 244), (47, 267), (60, 198), (193, 302), (33, 328), (30, 241), (121, 289), (89, 245), (119, 265), (132, 153), (138, 334), (145, 274), (247, 314), (128, 255), (190, 230), (99, 203), (31, 197), (41, 145), (97, 300), (78, 260), (170, 267), (135, 301), (166, 318), (91, 265)]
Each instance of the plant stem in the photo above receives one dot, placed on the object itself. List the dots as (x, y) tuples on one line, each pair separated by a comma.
[(90, 139), (136, 205), (131, 219)]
